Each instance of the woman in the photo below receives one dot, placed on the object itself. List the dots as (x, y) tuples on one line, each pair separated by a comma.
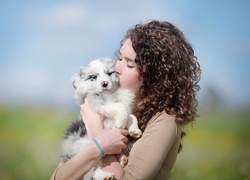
[(158, 64)]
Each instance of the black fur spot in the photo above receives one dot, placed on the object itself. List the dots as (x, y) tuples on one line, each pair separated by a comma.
[(75, 127)]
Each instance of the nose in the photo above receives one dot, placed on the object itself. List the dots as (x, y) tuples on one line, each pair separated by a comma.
[(118, 66), (104, 83)]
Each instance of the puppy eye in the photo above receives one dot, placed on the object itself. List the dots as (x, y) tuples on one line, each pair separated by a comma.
[(110, 73), (92, 77)]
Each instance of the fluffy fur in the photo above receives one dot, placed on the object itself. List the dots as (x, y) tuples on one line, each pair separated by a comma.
[(99, 82)]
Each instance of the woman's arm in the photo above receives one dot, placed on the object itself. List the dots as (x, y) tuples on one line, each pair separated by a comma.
[(152, 148), (111, 164), (94, 124), (80, 164), (149, 152), (112, 141)]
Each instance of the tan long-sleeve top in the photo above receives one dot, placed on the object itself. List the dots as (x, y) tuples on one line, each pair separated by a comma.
[(154, 154)]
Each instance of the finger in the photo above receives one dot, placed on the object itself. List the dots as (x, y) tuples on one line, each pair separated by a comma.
[(125, 139), (119, 151), (124, 132), (124, 146)]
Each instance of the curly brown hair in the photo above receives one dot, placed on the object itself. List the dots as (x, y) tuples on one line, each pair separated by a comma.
[(169, 71)]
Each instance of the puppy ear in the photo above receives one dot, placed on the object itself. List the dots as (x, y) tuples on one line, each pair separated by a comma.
[(111, 63), (76, 78)]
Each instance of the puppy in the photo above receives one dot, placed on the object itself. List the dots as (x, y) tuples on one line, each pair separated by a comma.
[(99, 82)]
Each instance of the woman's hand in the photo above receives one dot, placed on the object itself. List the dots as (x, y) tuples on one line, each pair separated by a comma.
[(92, 120), (112, 140)]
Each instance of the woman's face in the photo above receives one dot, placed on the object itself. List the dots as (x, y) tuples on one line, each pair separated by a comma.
[(127, 68)]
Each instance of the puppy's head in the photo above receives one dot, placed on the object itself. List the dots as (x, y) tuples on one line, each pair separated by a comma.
[(98, 77)]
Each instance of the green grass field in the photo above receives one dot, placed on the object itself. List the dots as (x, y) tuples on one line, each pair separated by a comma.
[(216, 147)]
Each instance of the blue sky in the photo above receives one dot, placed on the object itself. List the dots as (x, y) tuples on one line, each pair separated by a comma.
[(42, 44)]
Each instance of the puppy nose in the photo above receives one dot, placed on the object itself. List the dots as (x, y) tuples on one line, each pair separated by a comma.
[(104, 83)]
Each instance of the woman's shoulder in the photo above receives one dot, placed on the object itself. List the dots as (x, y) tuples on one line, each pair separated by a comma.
[(165, 121), (162, 116)]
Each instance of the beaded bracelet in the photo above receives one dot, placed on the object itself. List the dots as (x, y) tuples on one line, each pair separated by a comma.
[(99, 147)]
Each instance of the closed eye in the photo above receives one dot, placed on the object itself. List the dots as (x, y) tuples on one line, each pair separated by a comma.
[(129, 62), (110, 73)]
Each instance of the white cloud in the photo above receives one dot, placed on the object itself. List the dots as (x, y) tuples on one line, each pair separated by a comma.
[(66, 15), (62, 15), (31, 85), (29, 80)]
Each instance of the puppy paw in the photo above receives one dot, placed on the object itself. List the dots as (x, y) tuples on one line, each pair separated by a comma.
[(124, 160), (135, 133), (99, 174), (110, 178)]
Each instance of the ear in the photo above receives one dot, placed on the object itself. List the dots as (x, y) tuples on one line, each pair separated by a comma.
[(110, 63), (76, 78)]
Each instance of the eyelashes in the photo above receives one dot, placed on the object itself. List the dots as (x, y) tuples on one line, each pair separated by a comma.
[(94, 77), (110, 73)]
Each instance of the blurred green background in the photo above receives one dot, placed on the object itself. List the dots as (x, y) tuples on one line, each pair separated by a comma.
[(216, 147)]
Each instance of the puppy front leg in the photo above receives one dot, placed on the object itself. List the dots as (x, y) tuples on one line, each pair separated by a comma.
[(117, 112), (121, 118), (133, 128), (99, 174)]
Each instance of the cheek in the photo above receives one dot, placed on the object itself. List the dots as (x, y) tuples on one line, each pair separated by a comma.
[(130, 81), (134, 79)]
